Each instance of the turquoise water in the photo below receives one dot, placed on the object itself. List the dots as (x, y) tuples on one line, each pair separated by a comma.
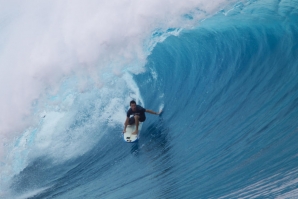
[(229, 91)]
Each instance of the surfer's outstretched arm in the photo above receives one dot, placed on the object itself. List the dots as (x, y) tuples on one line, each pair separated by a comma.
[(152, 112)]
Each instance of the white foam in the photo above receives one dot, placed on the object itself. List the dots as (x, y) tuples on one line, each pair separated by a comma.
[(47, 40), (72, 124), (161, 106)]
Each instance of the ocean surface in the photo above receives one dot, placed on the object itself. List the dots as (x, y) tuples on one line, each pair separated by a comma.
[(225, 78)]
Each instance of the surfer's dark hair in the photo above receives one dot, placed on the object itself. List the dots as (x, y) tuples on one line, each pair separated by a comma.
[(132, 102)]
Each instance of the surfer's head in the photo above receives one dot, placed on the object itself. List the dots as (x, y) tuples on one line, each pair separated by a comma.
[(133, 105)]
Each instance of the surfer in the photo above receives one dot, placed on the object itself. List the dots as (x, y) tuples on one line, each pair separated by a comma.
[(138, 113)]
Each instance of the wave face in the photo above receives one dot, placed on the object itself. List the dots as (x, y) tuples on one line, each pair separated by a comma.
[(229, 91)]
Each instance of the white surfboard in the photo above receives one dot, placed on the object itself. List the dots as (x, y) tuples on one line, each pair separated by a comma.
[(128, 136)]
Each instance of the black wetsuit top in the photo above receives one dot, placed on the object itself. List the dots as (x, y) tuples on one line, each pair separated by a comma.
[(139, 111)]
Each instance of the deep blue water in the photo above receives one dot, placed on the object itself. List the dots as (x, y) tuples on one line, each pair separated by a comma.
[(229, 90)]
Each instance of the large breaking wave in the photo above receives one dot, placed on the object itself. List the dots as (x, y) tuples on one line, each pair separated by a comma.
[(226, 78)]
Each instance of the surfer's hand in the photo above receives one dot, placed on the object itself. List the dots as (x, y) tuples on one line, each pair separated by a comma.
[(159, 112)]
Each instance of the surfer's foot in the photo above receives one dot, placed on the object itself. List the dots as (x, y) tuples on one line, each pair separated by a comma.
[(135, 133)]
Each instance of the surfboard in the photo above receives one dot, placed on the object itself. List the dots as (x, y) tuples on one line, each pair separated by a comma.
[(128, 136)]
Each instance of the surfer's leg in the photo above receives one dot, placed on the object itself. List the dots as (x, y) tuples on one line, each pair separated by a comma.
[(137, 124), (131, 121)]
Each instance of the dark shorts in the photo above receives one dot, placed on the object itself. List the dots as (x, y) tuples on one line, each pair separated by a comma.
[(132, 120)]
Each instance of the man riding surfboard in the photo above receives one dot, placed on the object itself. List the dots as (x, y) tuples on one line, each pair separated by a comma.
[(138, 115)]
